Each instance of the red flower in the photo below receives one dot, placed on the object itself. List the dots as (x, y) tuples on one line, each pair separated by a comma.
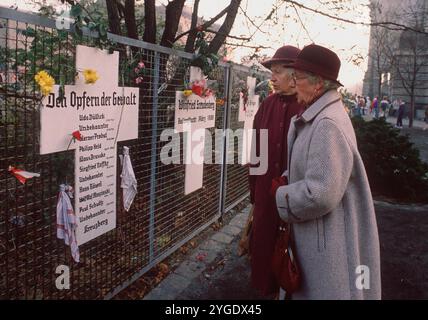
[(77, 135), (199, 28), (197, 90)]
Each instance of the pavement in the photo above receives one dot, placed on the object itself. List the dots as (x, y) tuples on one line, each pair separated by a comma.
[(393, 120), (213, 270)]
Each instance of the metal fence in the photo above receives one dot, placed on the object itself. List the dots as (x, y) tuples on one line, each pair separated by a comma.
[(161, 218)]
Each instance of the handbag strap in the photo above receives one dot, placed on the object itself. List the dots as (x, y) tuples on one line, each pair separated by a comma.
[(291, 243)]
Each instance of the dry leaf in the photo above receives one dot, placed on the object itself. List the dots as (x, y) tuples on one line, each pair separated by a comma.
[(184, 250), (163, 268)]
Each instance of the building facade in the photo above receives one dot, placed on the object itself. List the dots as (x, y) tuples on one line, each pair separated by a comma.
[(398, 59)]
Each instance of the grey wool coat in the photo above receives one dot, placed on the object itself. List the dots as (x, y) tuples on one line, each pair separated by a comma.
[(329, 204)]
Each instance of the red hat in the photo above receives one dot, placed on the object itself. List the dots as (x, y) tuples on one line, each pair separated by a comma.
[(320, 61), (286, 55)]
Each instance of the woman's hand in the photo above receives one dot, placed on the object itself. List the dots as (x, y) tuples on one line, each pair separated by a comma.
[(276, 183)]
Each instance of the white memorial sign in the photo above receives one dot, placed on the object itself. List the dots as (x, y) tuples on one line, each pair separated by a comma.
[(247, 112), (104, 114), (193, 113)]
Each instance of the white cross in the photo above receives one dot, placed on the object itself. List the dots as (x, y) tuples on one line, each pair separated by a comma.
[(103, 117), (193, 120), (247, 113)]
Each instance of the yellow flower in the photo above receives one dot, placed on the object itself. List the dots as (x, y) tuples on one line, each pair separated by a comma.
[(45, 81), (270, 85), (187, 93), (91, 76)]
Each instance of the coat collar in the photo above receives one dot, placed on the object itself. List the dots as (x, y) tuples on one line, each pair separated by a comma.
[(324, 101)]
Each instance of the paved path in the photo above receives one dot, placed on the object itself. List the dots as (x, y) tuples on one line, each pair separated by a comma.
[(222, 275), (198, 276), (393, 120)]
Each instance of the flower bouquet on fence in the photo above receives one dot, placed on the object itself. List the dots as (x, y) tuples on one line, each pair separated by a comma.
[(198, 87), (140, 72)]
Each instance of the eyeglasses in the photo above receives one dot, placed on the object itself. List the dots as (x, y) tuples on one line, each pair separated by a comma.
[(300, 77)]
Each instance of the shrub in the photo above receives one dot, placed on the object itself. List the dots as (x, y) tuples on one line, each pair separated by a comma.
[(393, 165)]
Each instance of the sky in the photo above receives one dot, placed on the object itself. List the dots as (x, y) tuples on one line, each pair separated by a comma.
[(304, 28), (295, 28)]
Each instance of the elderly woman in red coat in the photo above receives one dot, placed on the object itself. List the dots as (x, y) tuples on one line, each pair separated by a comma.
[(274, 115)]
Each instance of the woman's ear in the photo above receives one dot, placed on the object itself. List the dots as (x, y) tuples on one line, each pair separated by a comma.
[(320, 85)]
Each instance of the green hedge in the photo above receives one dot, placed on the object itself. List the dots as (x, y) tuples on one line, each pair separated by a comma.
[(393, 165)]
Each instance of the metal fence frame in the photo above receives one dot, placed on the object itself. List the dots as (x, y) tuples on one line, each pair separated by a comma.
[(229, 71)]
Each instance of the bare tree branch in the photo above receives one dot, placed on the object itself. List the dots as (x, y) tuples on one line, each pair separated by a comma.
[(172, 19), (301, 22), (228, 35), (242, 45), (205, 25), (224, 30), (386, 24), (190, 42), (252, 22)]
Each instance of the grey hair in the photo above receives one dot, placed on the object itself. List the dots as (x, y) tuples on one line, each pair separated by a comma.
[(330, 85), (327, 84)]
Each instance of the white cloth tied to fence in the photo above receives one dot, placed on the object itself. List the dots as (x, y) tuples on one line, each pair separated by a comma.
[(129, 182), (66, 221)]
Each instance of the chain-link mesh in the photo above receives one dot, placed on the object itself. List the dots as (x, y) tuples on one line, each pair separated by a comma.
[(237, 174), (161, 218)]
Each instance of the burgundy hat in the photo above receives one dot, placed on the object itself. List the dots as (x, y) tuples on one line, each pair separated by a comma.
[(286, 55), (320, 61)]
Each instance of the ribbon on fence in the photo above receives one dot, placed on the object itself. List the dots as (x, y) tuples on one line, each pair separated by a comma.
[(22, 175), (66, 221), (129, 182)]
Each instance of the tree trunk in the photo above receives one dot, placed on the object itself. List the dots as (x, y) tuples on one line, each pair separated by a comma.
[(113, 17), (190, 43), (379, 86), (225, 28), (412, 108), (149, 21), (172, 19), (131, 26)]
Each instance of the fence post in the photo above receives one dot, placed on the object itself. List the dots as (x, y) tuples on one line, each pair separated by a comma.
[(226, 125), (153, 157)]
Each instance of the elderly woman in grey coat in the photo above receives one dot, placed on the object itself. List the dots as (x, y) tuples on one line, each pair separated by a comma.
[(328, 201)]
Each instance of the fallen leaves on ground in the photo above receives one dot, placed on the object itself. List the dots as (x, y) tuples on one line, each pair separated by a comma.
[(201, 256), (184, 249), (216, 226)]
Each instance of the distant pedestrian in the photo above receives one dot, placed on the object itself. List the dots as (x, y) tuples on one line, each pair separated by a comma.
[(368, 104), (361, 105), (375, 107), (395, 105), (356, 106), (400, 116), (384, 105)]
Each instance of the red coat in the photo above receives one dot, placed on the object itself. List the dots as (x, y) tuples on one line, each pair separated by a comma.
[(274, 114)]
